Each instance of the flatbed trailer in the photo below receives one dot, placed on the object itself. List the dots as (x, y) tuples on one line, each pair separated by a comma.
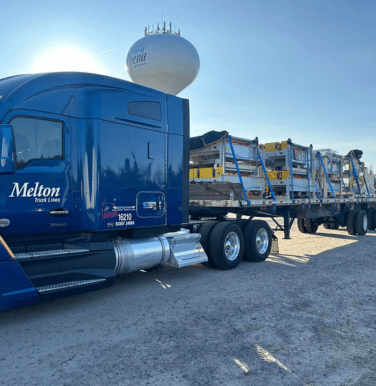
[(353, 206)]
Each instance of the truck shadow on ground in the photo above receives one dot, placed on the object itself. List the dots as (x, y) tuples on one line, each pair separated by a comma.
[(342, 234)]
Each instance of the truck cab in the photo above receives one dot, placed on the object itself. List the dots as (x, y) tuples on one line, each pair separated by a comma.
[(91, 154), (93, 183)]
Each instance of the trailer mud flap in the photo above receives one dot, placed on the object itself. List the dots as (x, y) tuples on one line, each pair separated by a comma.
[(15, 287), (275, 247)]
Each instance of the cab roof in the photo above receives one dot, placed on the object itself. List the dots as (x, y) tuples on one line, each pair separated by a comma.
[(69, 93)]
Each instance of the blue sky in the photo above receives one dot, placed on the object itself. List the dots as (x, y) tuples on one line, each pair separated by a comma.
[(274, 69)]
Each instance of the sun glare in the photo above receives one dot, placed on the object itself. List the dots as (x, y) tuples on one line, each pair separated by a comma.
[(66, 59)]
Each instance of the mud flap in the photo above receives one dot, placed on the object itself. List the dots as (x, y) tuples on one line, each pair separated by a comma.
[(275, 247), (15, 287)]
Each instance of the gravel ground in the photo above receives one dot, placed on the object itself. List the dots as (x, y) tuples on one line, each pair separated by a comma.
[(306, 316)]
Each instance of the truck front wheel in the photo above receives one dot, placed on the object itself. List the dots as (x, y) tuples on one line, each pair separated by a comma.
[(226, 246)]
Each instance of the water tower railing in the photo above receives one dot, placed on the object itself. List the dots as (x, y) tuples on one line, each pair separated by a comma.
[(163, 30)]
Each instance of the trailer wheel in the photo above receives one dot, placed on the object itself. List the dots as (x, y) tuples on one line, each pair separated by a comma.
[(371, 219), (311, 226), (226, 246), (205, 232), (257, 241), (350, 222), (301, 225), (360, 222), (326, 225)]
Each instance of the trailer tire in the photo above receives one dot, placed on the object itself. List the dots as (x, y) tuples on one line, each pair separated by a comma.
[(371, 219), (205, 232), (360, 222), (327, 225), (311, 226), (301, 225), (350, 222), (257, 241), (226, 246)]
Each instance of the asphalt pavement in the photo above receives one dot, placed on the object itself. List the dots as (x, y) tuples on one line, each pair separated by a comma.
[(306, 316)]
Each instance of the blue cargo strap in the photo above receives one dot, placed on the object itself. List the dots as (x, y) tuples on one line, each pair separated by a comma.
[(355, 174), (267, 178), (365, 181), (327, 177), (308, 175), (237, 169), (317, 191)]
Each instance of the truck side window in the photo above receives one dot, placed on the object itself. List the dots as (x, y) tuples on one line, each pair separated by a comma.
[(37, 139), (149, 110)]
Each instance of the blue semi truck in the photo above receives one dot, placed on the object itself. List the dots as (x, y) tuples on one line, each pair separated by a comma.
[(95, 184)]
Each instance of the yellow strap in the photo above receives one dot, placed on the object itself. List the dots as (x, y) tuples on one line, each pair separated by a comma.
[(5, 245)]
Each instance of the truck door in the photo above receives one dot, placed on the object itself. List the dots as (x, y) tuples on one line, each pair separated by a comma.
[(36, 199)]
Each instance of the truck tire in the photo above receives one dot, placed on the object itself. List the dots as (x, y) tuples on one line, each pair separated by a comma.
[(257, 241), (226, 246), (205, 232), (371, 214), (311, 226), (350, 220), (327, 225), (301, 225), (360, 222), (242, 223), (335, 226)]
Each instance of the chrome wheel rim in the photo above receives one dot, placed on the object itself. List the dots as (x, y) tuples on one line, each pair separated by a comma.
[(232, 246), (262, 241), (365, 223)]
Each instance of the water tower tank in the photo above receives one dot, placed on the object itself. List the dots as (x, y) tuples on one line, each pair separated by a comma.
[(163, 60)]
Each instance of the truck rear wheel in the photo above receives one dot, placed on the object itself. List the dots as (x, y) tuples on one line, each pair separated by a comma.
[(226, 246), (205, 232), (371, 214), (350, 222), (360, 222), (311, 226), (301, 225), (327, 225), (257, 241)]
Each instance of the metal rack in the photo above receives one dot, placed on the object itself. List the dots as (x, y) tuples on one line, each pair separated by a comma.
[(226, 168), (289, 169)]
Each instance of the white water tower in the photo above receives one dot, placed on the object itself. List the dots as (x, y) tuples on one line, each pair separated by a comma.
[(163, 60)]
